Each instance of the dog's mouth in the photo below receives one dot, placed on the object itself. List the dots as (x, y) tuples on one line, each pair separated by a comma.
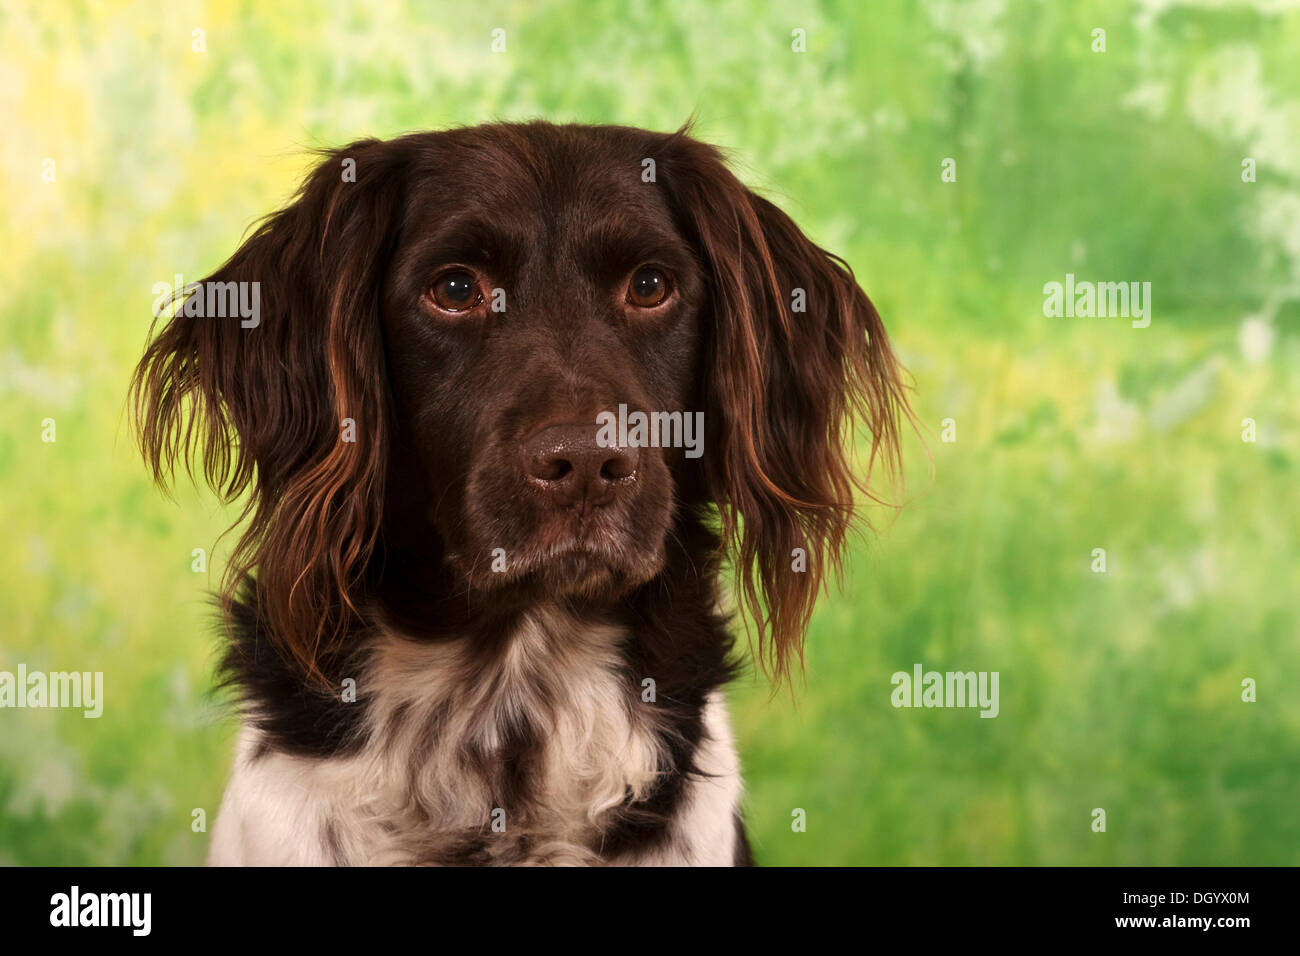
[(590, 560)]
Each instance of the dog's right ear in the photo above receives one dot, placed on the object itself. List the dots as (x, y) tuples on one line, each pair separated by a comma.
[(269, 379)]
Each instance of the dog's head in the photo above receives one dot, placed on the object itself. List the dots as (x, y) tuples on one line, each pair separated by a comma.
[(511, 358)]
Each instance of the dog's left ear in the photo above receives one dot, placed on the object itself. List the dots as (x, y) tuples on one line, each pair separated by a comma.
[(797, 357)]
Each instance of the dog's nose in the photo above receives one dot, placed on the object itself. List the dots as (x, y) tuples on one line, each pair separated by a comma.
[(568, 462)]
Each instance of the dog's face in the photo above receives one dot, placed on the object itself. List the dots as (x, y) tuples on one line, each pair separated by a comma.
[(444, 318), (537, 284)]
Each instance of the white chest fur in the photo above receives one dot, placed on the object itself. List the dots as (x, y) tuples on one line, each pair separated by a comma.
[(442, 729)]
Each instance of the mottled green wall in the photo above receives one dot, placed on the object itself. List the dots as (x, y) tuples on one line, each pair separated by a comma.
[(1119, 690)]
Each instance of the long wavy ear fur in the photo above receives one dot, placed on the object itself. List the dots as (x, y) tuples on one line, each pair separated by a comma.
[(785, 390), (289, 407)]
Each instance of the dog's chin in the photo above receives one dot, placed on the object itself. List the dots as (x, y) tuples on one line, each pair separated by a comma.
[(594, 567)]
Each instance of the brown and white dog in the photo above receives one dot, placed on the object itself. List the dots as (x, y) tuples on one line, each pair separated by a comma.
[(465, 628)]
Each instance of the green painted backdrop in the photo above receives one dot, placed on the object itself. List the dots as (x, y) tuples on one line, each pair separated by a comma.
[(1119, 690)]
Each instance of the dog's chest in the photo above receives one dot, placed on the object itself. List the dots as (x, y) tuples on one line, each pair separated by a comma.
[(500, 758), (518, 756)]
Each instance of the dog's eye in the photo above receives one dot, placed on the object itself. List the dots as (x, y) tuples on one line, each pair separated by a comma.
[(455, 291), (648, 288)]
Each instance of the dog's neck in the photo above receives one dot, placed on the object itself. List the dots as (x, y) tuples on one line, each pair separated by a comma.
[(674, 644)]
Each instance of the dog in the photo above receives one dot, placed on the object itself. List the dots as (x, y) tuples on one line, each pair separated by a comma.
[(465, 627)]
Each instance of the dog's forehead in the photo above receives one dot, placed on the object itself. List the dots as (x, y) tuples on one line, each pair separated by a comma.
[(562, 174)]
